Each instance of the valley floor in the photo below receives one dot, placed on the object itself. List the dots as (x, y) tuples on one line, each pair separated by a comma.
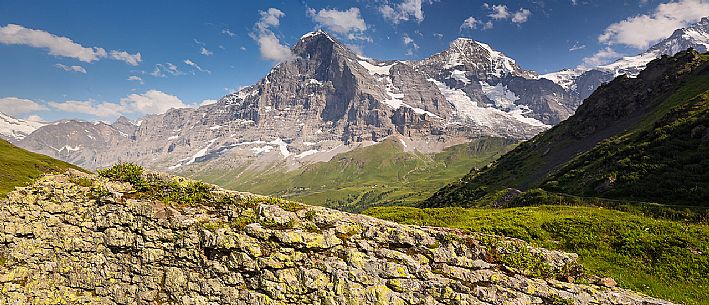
[(662, 258)]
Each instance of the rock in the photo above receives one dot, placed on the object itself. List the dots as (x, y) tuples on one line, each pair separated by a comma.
[(607, 282), (146, 252)]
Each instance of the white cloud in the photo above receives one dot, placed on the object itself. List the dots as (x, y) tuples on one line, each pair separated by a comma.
[(357, 49), (131, 59), (498, 11), (642, 30), (404, 11), (603, 56), (348, 22), (501, 12), (521, 16), (272, 49), (34, 118), (79, 69), (438, 35), (58, 46), (228, 32), (19, 106), (90, 107), (408, 41), (205, 52), (270, 46), (13, 34), (136, 78), (150, 102), (469, 23), (196, 66), (208, 102), (577, 46), (169, 68)]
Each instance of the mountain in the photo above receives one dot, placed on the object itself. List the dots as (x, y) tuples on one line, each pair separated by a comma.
[(643, 138), (164, 240), (325, 101), (472, 71), (18, 166), (582, 82), (12, 129)]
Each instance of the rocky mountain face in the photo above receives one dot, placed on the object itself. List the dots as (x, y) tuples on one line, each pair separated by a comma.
[(652, 126), (479, 79), (79, 239), (582, 82), (13, 130), (325, 101)]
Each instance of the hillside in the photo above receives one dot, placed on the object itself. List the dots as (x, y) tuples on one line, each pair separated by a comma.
[(387, 173), (130, 236), (660, 257), (625, 141), (18, 166)]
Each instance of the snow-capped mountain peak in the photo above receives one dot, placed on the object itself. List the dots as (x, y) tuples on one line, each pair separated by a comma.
[(466, 52), (16, 129), (583, 82)]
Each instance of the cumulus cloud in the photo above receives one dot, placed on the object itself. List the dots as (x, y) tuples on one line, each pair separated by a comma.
[(603, 56), (79, 69), (90, 107), (642, 30), (15, 106), (34, 118), (403, 11), (498, 11), (131, 59), (438, 35), (501, 12), (521, 16), (136, 79), (13, 34), (348, 22), (469, 23), (150, 102), (270, 46)]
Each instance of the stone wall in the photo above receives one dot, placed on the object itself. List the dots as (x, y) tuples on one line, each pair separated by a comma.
[(64, 243)]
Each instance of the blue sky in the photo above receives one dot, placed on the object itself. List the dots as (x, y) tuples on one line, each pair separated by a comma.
[(94, 60)]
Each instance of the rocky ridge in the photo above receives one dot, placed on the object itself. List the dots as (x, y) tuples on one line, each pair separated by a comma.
[(80, 239)]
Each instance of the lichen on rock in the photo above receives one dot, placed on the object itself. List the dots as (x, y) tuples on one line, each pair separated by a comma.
[(76, 238)]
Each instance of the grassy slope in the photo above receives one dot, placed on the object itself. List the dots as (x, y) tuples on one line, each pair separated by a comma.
[(662, 258), (381, 174), (532, 162), (665, 159), (18, 166)]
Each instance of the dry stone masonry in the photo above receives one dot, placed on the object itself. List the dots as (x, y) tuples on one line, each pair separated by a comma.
[(81, 239)]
